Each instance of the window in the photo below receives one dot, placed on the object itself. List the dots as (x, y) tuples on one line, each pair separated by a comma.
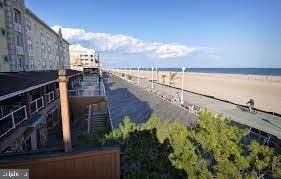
[(28, 25), (35, 27), (18, 40), (5, 58), (3, 31), (20, 63), (31, 63), (17, 16), (41, 32), (1, 4), (29, 43)]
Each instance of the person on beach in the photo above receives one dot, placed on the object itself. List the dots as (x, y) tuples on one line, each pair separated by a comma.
[(251, 103)]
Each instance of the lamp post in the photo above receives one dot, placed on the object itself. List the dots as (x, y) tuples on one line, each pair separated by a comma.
[(152, 78), (182, 79), (125, 73), (156, 70), (138, 75)]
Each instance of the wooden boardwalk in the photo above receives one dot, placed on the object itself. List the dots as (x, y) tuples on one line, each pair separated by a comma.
[(126, 99)]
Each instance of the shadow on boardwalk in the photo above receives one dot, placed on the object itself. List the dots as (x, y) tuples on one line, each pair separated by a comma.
[(123, 103), (125, 99)]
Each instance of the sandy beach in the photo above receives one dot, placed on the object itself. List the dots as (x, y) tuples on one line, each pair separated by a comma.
[(265, 90)]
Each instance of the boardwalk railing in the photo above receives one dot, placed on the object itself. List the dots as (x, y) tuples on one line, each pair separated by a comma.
[(37, 104), (50, 97), (11, 120)]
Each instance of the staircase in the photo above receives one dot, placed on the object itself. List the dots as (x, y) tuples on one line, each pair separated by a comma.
[(98, 118)]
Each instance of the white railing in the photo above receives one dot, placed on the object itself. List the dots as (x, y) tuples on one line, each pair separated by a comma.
[(17, 27), (37, 104), (86, 92), (50, 97), (19, 50), (11, 120), (57, 92)]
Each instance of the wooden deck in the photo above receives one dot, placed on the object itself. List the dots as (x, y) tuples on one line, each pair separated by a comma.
[(126, 99)]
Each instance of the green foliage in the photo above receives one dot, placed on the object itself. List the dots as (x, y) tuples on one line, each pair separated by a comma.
[(130, 77), (122, 75), (212, 149), (92, 138), (276, 166), (172, 77), (123, 131)]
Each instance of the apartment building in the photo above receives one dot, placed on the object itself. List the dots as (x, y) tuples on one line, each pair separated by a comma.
[(27, 42), (81, 58)]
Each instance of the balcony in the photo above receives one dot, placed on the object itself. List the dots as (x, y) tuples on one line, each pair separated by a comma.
[(19, 50), (18, 27), (31, 53), (12, 120), (37, 104), (29, 33)]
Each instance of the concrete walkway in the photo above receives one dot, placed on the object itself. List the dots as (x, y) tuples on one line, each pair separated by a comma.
[(126, 99), (265, 122)]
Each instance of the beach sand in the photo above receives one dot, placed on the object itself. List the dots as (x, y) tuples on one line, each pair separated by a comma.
[(265, 90)]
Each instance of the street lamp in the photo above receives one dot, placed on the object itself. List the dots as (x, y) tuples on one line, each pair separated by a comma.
[(182, 79), (138, 75), (156, 70), (125, 73), (152, 77)]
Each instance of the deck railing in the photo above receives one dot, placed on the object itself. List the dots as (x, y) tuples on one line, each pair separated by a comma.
[(86, 92), (50, 97), (11, 120), (57, 92), (37, 104)]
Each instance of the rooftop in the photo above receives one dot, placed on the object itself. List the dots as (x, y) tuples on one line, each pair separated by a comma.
[(13, 82)]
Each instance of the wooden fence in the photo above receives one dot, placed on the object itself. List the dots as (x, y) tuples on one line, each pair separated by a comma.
[(93, 164)]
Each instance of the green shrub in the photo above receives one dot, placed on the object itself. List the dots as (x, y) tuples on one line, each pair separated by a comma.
[(130, 77), (212, 149)]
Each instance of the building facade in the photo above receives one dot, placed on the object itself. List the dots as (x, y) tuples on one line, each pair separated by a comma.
[(28, 43), (81, 58)]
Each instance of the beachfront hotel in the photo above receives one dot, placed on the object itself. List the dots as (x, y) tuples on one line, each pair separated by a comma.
[(81, 57), (27, 42)]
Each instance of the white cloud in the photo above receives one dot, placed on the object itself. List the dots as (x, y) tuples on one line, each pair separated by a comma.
[(80, 49), (128, 44)]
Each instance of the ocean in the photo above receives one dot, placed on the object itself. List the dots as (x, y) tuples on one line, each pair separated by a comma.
[(243, 71)]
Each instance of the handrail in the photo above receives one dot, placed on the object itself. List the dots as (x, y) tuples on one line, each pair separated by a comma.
[(57, 93), (13, 117), (36, 104), (86, 92), (90, 112), (50, 96)]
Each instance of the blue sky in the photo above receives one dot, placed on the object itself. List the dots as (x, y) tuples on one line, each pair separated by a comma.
[(171, 33)]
